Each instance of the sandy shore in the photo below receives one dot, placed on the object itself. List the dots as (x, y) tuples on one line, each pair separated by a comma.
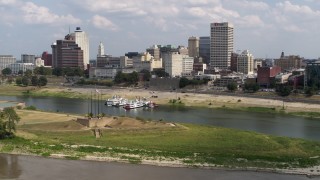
[(202, 100)]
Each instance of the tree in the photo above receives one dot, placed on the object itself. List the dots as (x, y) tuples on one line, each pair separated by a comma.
[(57, 71), (310, 91), (20, 72), (78, 72), (42, 71), (34, 80), (232, 86), (160, 72), (10, 119), (133, 77), (284, 91), (146, 75), (6, 71), (119, 77), (251, 87), (25, 81), (42, 81), (28, 73), (19, 81), (183, 82)]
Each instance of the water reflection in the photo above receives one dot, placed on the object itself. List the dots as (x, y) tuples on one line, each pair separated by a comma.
[(9, 166)]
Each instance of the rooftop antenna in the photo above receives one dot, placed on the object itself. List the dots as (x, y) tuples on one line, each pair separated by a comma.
[(69, 29)]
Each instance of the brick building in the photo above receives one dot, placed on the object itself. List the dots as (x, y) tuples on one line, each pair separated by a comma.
[(266, 75)]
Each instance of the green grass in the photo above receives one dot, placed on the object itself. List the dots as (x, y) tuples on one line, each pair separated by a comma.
[(192, 143)]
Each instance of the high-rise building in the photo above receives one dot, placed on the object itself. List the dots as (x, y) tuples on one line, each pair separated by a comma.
[(82, 40), (245, 63), (66, 53), (28, 58), (193, 46), (221, 45), (100, 50), (204, 49), (234, 62)]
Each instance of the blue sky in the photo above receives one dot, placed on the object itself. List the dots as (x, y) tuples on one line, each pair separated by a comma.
[(263, 27)]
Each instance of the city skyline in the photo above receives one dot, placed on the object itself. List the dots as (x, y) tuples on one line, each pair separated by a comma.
[(266, 28)]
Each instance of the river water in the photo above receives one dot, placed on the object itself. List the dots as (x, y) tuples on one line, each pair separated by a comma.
[(34, 168), (274, 124)]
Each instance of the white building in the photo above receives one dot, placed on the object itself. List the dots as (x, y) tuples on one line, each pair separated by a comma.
[(187, 64), (16, 67), (245, 63), (125, 62), (103, 72), (173, 64), (100, 50), (193, 47), (146, 61), (81, 38), (6, 60), (221, 45), (177, 64), (39, 62)]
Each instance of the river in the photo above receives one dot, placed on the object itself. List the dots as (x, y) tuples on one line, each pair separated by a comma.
[(31, 168), (274, 124)]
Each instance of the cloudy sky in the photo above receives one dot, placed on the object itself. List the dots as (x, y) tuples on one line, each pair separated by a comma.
[(264, 27)]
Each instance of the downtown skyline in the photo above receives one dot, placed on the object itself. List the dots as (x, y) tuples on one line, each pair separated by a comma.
[(266, 28)]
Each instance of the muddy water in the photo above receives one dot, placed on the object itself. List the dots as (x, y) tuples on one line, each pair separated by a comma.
[(274, 124), (33, 168)]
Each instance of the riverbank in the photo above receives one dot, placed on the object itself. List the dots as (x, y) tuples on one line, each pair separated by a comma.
[(157, 143), (51, 169), (185, 99)]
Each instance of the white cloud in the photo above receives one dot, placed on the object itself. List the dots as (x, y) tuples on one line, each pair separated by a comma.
[(287, 6), (33, 14), (8, 2), (103, 23), (253, 5), (250, 21), (293, 28)]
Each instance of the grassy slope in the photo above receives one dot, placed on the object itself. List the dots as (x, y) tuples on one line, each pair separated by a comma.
[(212, 145)]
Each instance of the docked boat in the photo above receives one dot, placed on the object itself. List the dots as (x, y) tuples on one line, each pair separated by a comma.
[(113, 101), (133, 104), (150, 104)]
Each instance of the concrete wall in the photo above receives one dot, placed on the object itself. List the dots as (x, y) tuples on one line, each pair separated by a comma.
[(164, 83)]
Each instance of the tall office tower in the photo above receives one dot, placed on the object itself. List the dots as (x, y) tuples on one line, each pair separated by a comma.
[(154, 51), (66, 53), (245, 63), (221, 45), (193, 46), (27, 58), (101, 50), (204, 49), (81, 38)]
